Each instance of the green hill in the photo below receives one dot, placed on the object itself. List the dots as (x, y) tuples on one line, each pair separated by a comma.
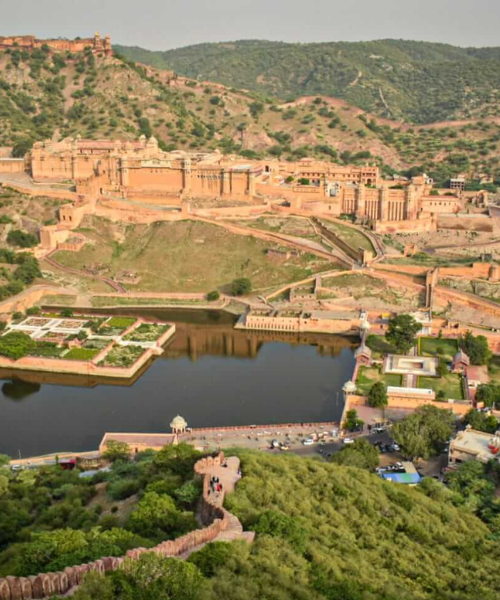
[(329, 532), (418, 82)]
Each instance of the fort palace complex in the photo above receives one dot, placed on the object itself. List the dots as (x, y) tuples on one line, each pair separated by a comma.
[(96, 44), (140, 172)]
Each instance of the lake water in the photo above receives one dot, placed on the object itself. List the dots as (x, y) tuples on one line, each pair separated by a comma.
[(209, 373)]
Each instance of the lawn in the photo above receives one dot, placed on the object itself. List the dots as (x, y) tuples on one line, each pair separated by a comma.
[(47, 350), (379, 346), (450, 384), (187, 256), (86, 354), (429, 347), (354, 238), (122, 322), (367, 376)]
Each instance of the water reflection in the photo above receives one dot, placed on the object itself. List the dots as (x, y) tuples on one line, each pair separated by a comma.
[(210, 373)]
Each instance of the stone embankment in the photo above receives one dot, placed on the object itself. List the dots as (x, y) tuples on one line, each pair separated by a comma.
[(220, 525)]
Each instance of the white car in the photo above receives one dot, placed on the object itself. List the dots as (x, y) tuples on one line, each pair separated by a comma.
[(348, 440), (308, 442)]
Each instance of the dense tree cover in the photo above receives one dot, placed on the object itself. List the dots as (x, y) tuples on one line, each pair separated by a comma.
[(50, 518), (422, 433), (488, 393), (418, 81), (27, 271), (330, 532), (402, 332), (16, 344), (477, 349), (481, 421), (361, 454), (149, 578)]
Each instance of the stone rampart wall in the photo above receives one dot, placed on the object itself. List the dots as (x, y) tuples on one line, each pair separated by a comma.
[(12, 165), (215, 517), (29, 298), (458, 408)]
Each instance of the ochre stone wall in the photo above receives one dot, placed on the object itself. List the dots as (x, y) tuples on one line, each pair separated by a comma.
[(30, 42)]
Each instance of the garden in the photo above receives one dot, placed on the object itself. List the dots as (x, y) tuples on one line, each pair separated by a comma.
[(146, 332), (367, 376), (122, 356)]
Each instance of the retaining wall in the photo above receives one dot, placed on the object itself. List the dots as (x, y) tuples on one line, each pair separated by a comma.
[(215, 517)]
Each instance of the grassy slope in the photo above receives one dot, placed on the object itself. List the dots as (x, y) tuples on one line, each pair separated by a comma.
[(418, 81), (379, 539), (186, 256)]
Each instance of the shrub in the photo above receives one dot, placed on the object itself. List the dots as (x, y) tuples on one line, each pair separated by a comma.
[(241, 286), (213, 296), (15, 345)]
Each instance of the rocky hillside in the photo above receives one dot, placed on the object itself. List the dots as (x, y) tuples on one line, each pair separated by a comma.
[(419, 82), (53, 96)]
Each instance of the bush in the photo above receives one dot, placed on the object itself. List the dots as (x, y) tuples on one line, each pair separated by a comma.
[(22, 239), (15, 345), (241, 286), (213, 296)]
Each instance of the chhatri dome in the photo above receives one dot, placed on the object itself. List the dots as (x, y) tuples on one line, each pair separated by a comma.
[(178, 424), (349, 387)]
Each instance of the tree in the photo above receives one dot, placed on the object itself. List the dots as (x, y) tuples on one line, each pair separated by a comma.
[(377, 396), (442, 367), (352, 421), (213, 296), (402, 332), (304, 181), (361, 454), (16, 237), (278, 524), (116, 451), (67, 313), (481, 421), (15, 345), (476, 348), (157, 517), (421, 433), (488, 393), (241, 286), (211, 557)]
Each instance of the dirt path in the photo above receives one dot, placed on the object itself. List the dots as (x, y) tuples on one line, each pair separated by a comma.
[(115, 285)]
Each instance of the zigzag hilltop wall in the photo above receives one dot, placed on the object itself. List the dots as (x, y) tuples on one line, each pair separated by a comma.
[(29, 42)]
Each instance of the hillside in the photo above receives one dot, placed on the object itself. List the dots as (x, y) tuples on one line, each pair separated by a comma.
[(328, 532), (418, 82), (44, 95)]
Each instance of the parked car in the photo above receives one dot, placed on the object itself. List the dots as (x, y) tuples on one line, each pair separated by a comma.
[(275, 444), (284, 447), (348, 440), (16, 467), (308, 442)]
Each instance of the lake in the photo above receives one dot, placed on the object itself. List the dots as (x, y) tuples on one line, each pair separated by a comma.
[(210, 374)]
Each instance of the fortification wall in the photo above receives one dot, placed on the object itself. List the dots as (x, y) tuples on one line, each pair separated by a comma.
[(458, 408), (12, 165), (213, 515), (29, 298), (463, 223)]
